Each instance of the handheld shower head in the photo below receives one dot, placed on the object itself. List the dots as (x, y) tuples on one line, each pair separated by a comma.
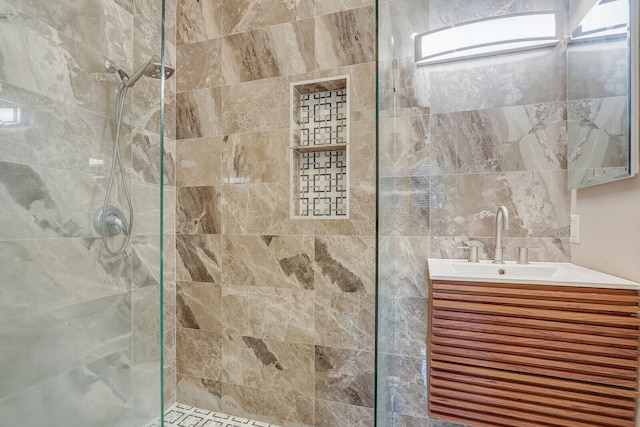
[(152, 68)]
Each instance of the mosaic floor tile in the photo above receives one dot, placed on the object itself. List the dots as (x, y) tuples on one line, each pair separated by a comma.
[(180, 415)]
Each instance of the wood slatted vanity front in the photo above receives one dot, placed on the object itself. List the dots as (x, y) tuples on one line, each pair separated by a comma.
[(533, 355)]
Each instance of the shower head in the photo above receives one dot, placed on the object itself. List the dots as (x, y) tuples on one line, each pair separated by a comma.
[(152, 68)]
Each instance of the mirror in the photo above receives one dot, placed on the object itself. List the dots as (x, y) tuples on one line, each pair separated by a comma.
[(602, 76)]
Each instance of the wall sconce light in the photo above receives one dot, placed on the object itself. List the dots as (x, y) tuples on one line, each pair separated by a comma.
[(489, 36), (607, 19)]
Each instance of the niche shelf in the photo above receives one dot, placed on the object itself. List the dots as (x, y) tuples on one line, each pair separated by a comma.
[(320, 148)]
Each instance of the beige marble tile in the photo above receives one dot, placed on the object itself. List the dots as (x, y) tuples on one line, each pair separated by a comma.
[(406, 385), (145, 313), (324, 7), (198, 114), (170, 16), (199, 65), (199, 392), (402, 263), (198, 353), (146, 205), (268, 364), (345, 376), (198, 306), (145, 261), (169, 304), (169, 210), (530, 137), (405, 203), (169, 355), (538, 202), (244, 208), (199, 210), (331, 414), (243, 106), (597, 70), (198, 161), (405, 145), (280, 408), (345, 264), (279, 50), (269, 313), (198, 258), (267, 260), (362, 213), (256, 157), (345, 38), (345, 320), (246, 15), (362, 151), (198, 20)]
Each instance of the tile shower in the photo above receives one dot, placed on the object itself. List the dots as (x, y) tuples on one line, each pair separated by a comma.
[(265, 316)]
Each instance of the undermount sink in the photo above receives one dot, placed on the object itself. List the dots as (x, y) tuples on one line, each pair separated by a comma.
[(543, 273)]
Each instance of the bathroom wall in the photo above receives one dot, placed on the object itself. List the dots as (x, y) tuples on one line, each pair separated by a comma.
[(80, 329), (275, 317), (457, 141), (610, 228)]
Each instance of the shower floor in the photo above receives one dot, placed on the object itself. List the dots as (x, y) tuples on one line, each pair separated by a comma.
[(180, 415)]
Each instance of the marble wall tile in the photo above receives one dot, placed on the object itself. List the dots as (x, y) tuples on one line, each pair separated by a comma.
[(283, 407), (198, 113), (279, 50), (405, 388), (405, 145), (362, 213), (145, 309), (199, 210), (538, 202), (345, 376), (201, 392), (343, 264), (405, 88), (269, 313), (241, 16), (198, 258), (198, 306), (598, 70), (411, 318), (199, 354), (244, 207), (105, 382), (402, 265), (45, 344), (268, 364), (145, 153), (198, 20), (345, 320), (256, 157), (555, 249), (199, 65), (362, 151), (198, 162), (58, 135), (146, 206), (43, 274), (529, 137), (331, 414), (169, 362), (324, 7), (170, 18), (243, 104), (345, 38), (169, 159), (145, 382), (268, 260), (169, 304), (405, 202), (169, 210), (500, 81), (145, 261)]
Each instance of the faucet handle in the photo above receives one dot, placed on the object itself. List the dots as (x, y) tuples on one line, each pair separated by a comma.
[(473, 253), (523, 254)]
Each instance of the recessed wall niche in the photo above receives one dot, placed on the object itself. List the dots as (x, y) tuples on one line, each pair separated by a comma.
[(320, 148)]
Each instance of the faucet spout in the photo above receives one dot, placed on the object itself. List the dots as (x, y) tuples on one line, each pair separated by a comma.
[(502, 223)]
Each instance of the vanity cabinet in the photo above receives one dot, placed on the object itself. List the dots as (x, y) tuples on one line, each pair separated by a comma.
[(533, 355)]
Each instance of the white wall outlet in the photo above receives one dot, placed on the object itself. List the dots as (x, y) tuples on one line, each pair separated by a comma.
[(574, 227)]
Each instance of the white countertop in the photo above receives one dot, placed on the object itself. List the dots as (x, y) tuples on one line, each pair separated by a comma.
[(535, 273)]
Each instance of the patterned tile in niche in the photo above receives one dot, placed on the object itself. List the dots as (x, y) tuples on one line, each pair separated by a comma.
[(323, 187), (323, 118)]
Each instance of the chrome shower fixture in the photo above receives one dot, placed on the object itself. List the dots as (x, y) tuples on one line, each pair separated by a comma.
[(152, 68)]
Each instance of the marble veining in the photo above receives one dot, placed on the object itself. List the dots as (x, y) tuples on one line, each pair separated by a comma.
[(199, 258), (198, 210), (344, 376), (245, 15)]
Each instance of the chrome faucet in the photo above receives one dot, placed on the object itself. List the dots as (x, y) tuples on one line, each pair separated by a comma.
[(502, 223)]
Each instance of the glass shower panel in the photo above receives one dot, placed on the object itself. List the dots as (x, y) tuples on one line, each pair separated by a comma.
[(79, 329)]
